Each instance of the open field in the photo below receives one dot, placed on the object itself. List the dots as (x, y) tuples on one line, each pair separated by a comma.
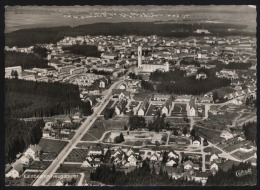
[(49, 145), (72, 168), (210, 135), (101, 125), (141, 95), (77, 155), (212, 150), (243, 155)]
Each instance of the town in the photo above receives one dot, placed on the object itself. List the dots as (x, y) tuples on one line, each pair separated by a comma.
[(184, 107)]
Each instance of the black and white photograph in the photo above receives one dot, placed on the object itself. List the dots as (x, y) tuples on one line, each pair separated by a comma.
[(133, 95)]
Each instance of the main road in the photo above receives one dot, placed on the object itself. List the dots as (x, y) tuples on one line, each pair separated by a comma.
[(48, 173)]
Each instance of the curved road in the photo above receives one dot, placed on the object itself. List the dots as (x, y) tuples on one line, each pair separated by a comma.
[(48, 173)]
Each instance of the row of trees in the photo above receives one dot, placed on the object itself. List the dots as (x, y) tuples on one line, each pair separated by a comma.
[(39, 99), (19, 135), (25, 60), (171, 76), (29, 37), (144, 175), (40, 51), (232, 177), (85, 50)]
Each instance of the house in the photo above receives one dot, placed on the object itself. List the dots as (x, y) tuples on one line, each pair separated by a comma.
[(226, 135), (33, 151), (188, 165), (196, 166), (154, 157), (166, 108), (185, 98), (95, 150), (92, 100), (123, 86), (213, 157), (132, 160), (77, 115), (191, 108), (172, 154), (48, 125), (59, 183), (196, 143), (206, 99), (201, 76), (102, 84), (143, 108), (85, 164), (16, 171), (25, 160), (171, 163), (201, 177), (214, 166)]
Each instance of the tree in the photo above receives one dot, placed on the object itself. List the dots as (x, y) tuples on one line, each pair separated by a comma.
[(193, 133), (136, 122), (215, 96), (125, 127), (185, 130)]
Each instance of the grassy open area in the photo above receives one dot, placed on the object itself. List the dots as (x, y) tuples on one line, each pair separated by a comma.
[(212, 150), (141, 95), (72, 168), (49, 145), (77, 155), (101, 125), (48, 156), (243, 155), (210, 135)]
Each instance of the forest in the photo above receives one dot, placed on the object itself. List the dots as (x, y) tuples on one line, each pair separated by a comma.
[(250, 131), (29, 37), (39, 99), (25, 60), (231, 177), (174, 82), (144, 175), (85, 50), (19, 135)]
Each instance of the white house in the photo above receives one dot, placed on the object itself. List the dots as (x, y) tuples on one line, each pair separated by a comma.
[(15, 172), (196, 143), (214, 166), (170, 163), (213, 157), (140, 112), (171, 154), (122, 86), (48, 125), (132, 160), (102, 84), (33, 151)]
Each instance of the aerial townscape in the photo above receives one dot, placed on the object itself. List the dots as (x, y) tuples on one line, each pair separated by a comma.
[(131, 103)]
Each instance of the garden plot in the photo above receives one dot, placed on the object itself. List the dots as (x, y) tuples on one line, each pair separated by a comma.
[(77, 155), (153, 109), (179, 110)]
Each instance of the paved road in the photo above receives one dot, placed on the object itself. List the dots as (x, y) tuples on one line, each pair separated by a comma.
[(48, 173)]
